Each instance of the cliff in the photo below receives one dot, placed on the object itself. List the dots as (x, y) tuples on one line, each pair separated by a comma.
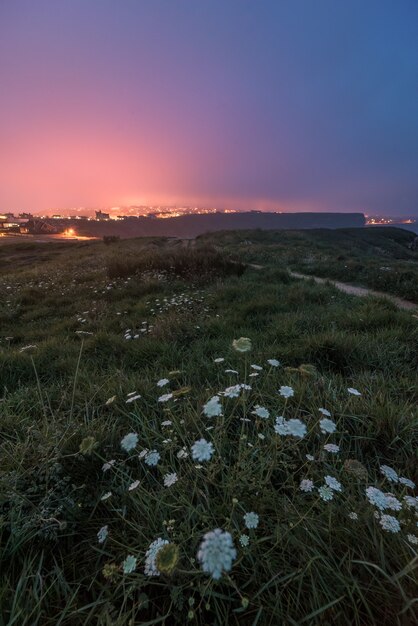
[(193, 225)]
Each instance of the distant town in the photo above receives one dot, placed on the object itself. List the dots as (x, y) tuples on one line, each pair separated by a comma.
[(191, 220), (55, 223)]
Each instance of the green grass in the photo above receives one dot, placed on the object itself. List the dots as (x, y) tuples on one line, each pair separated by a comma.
[(63, 414), (378, 257), (192, 264)]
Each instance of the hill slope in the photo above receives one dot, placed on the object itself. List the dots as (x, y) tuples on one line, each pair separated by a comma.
[(108, 386), (378, 258)]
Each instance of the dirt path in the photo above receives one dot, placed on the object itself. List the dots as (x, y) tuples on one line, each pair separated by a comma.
[(358, 291), (345, 287), (188, 243)]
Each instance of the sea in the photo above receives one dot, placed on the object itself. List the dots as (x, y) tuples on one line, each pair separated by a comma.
[(411, 227)]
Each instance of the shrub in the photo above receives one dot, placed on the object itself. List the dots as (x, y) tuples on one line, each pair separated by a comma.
[(190, 264), (108, 239)]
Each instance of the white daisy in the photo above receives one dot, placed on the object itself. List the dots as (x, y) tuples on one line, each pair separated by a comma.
[(286, 392), (170, 479), (165, 397)]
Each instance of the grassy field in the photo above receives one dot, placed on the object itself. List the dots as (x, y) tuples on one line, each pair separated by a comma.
[(378, 257), (116, 361)]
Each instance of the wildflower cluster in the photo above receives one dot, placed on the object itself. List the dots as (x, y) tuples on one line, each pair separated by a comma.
[(217, 553)]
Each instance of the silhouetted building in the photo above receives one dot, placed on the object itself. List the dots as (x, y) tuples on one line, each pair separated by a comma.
[(38, 227)]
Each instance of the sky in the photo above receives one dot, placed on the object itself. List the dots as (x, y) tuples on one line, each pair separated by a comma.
[(292, 105)]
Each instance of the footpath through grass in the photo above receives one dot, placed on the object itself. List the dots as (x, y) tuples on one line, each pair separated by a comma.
[(379, 258), (132, 429)]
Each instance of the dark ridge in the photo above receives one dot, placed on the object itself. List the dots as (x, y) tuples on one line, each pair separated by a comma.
[(193, 225)]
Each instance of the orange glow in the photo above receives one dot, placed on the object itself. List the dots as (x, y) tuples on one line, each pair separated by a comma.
[(172, 212), (379, 221), (70, 233)]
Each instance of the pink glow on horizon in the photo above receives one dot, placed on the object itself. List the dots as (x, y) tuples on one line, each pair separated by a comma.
[(211, 103)]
